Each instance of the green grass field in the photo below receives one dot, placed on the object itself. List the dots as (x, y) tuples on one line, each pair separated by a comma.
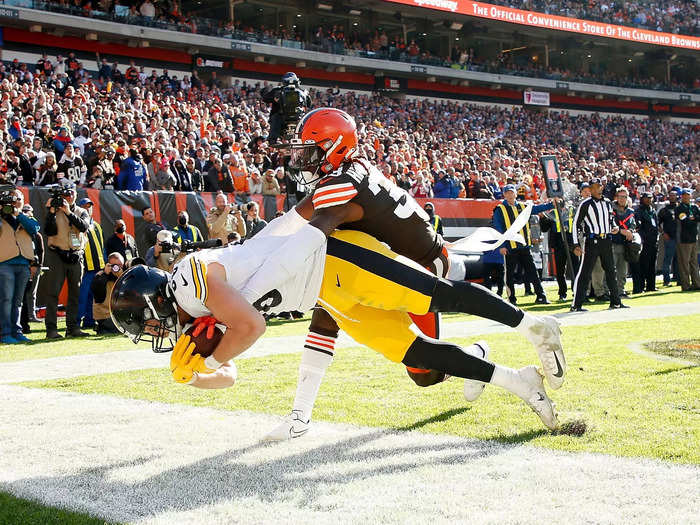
[(633, 405), (17, 511)]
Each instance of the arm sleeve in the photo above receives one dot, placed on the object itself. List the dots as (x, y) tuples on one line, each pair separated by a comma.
[(50, 228), (30, 225), (78, 221), (542, 207), (99, 288), (578, 220)]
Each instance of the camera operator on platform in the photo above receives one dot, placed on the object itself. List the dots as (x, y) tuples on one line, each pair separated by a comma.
[(288, 102), (65, 229), (16, 256)]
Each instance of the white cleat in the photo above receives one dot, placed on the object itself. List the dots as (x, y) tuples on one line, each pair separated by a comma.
[(536, 397), (472, 387), (546, 336), (292, 427)]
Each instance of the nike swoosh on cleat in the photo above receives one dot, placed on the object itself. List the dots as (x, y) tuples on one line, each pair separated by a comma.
[(295, 433), (337, 280), (541, 397), (560, 370)]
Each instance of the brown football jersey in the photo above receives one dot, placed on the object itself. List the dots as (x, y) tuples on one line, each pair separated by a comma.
[(390, 214)]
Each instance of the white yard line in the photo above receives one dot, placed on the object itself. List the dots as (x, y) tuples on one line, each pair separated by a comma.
[(93, 364), (136, 461)]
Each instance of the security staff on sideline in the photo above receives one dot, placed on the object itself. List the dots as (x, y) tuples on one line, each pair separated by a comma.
[(667, 227), (184, 231), (93, 262), (595, 219), (688, 217), (648, 229), (65, 229), (553, 223), (288, 103), (503, 216), (435, 219)]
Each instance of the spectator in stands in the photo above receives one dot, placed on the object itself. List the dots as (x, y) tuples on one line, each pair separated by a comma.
[(270, 190), (239, 175), (476, 188), (225, 219), (184, 231), (122, 242), (443, 187), (16, 255), (101, 290), (253, 222), (93, 262), (159, 175), (65, 229), (218, 178), (132, 173)]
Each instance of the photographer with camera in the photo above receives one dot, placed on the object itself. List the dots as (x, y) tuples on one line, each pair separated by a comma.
[(16, 255), (163, 253), (101, 289), (65, 229), (288, 102), (122, 242), (225, 219)]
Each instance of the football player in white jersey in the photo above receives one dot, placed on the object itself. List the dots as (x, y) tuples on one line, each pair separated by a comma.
[(365, 287)]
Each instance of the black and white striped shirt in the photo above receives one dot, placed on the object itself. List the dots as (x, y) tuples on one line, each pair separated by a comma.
[(593, 217)]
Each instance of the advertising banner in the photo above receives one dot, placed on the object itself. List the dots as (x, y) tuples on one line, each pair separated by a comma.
[(536, 98), (558, 23)]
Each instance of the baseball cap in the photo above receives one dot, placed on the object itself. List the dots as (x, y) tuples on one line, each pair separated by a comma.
[(593, 181), (647, 194), (509, 187), (27, 208), (82, 202), (585, 185), (686, 191), (164, 235)]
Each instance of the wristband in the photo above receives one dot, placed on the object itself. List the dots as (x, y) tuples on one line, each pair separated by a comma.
[(212, 363)]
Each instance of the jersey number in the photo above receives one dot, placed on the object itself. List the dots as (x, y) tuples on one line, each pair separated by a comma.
[(269, 300), (405, 205)]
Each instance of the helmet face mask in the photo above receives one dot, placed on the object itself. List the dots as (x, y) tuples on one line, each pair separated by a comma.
[(141, 308), (306, 161)]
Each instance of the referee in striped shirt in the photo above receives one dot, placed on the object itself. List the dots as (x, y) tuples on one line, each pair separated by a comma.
[(594, 226)]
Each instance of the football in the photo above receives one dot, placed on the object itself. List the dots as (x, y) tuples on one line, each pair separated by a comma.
[(206, 339)]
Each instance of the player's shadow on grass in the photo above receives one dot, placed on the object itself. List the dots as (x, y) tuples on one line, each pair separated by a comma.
[(276, 474), (672, 370)]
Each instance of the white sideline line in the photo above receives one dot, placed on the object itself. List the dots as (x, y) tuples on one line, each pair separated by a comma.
[(153, 463), (94, 364)]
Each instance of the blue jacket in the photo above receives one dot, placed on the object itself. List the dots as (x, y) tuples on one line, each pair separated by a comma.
[(132, 175), (442, 189), (30, 225)]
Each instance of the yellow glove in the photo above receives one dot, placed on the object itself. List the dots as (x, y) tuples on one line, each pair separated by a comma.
[(183, 364)]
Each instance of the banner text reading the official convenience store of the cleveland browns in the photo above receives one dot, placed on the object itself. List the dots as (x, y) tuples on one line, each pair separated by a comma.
[(559, 23)]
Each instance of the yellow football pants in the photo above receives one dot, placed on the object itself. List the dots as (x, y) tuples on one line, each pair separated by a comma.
[(369, 290)]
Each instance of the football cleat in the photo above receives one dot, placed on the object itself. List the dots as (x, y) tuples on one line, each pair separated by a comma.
[(472, 387), (292, 427), (536, 397), (546, 336)]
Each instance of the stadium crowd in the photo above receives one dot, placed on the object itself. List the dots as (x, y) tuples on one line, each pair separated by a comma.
[(678, 17), (135, 131)]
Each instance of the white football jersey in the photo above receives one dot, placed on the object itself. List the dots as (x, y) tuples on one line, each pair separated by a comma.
[(241, 262)]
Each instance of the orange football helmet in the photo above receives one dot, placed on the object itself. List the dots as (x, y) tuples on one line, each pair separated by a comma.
[(324, 139)]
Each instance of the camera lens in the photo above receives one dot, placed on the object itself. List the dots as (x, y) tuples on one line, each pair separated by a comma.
[(116, 268)]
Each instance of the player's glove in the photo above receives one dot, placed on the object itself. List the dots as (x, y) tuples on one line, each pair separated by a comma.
[(207, 323), (183, 364)]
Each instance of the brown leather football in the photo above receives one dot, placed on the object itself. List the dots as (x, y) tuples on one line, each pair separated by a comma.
[(207, 339)]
